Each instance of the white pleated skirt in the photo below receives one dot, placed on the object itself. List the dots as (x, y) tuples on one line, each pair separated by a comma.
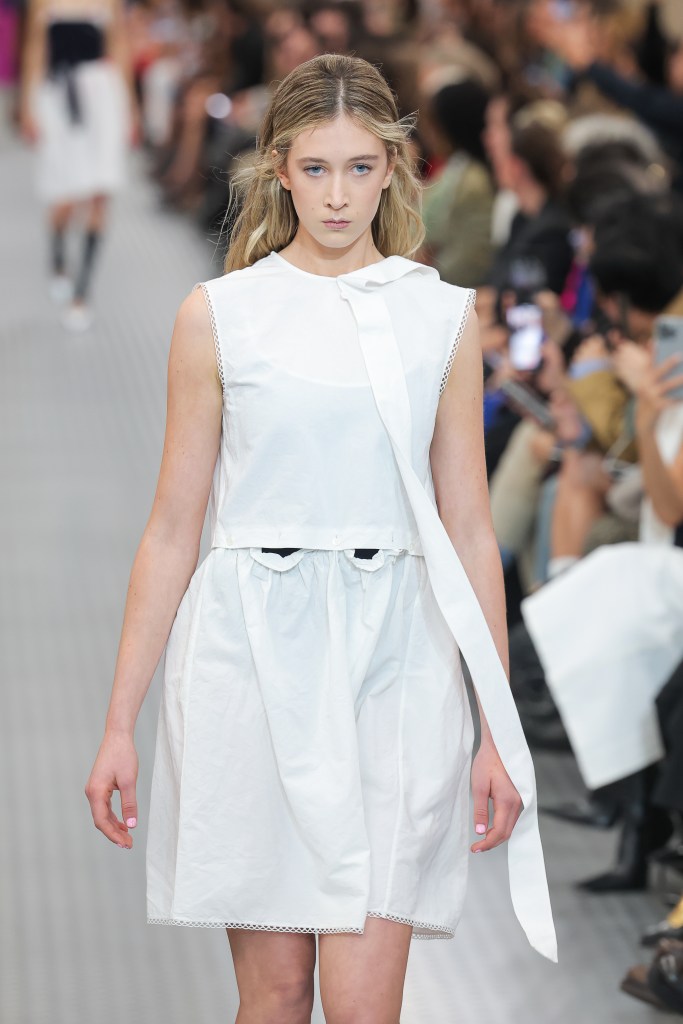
[(313, 752), (74, 161)]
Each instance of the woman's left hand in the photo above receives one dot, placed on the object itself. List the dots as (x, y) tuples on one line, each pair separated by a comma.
[(491, 781)]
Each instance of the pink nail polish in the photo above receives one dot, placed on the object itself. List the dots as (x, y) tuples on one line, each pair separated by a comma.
[(480, 829), (131, 822)]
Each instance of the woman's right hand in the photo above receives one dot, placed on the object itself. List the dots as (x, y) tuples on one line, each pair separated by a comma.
[(635, 367), (116, 767)]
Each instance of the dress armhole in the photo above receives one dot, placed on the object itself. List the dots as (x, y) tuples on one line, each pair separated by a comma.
[(469, 303), (214, 329)]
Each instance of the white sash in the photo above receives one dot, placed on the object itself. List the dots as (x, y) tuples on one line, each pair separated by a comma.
[(455, 595)]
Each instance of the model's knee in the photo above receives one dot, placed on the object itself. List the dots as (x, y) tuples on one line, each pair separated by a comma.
[(355, 1014), (282, 1001)]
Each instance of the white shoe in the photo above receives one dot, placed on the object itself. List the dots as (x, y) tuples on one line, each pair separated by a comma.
[(60, 288), (77, 317)]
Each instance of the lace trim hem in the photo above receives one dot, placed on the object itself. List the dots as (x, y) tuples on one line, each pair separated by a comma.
[(250, 927), (435, 931), (439, 931), (472, 295), (214, 330)]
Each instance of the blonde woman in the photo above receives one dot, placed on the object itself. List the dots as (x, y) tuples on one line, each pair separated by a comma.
[(314, 742), (79, 112)]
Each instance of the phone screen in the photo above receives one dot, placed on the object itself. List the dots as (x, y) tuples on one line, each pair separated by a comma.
[(668, 342), (526, 338)]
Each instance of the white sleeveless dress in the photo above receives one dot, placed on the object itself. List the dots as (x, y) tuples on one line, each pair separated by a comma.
[(314, 740), (77, 159)]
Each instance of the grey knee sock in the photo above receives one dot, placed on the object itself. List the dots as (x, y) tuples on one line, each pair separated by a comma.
[(90, 245)]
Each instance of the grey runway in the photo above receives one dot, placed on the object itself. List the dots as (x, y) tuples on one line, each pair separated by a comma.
[(82, 421)]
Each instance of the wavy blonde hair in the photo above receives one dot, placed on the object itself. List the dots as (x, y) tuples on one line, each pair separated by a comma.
[(313, 94)]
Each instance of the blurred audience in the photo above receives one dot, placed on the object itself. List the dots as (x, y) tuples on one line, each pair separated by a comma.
[(458, 201)]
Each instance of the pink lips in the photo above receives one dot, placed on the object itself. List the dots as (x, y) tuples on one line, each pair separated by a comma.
[(336, 225)]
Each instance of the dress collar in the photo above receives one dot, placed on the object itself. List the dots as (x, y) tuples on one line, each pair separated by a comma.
[(391, 268)]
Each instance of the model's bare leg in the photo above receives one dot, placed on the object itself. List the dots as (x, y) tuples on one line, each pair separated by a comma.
[(274, 973), (96, 212), (580, 501), (362, 976), (59, 216)]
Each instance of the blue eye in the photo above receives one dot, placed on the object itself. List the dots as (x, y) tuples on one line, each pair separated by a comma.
[(317, 167)]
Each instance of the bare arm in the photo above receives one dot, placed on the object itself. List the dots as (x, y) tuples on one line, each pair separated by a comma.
[(461, 489), (663, 483), (460, 484), (166, 556), (33, 61), (650, 384)]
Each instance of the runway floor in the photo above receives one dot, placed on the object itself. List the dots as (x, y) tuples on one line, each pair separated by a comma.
[(82, 420)]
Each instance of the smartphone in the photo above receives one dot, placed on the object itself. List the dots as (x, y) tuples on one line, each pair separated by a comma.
[(668, 342), (529, 402), (526, 338)]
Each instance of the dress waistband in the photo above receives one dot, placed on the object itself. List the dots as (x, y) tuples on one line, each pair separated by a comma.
[(358, 552)]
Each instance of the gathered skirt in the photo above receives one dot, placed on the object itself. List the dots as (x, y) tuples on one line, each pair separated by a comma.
[(313, 750), (75, 160)]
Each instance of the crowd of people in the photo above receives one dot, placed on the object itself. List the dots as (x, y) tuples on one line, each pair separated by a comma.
[(550, 142)]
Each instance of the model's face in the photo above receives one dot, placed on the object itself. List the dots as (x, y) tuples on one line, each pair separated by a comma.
[(336, 174)]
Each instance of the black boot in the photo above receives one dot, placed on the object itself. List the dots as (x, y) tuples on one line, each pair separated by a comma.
[(600, 809), (646, 828)]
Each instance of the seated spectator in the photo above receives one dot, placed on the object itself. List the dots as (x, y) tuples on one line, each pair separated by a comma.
[(162, 51), (659, 984), (577, 41), (637, 266), (527, 160), (458, 202), (535, 170), (625, 601), (231, 59), (337, 25)]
